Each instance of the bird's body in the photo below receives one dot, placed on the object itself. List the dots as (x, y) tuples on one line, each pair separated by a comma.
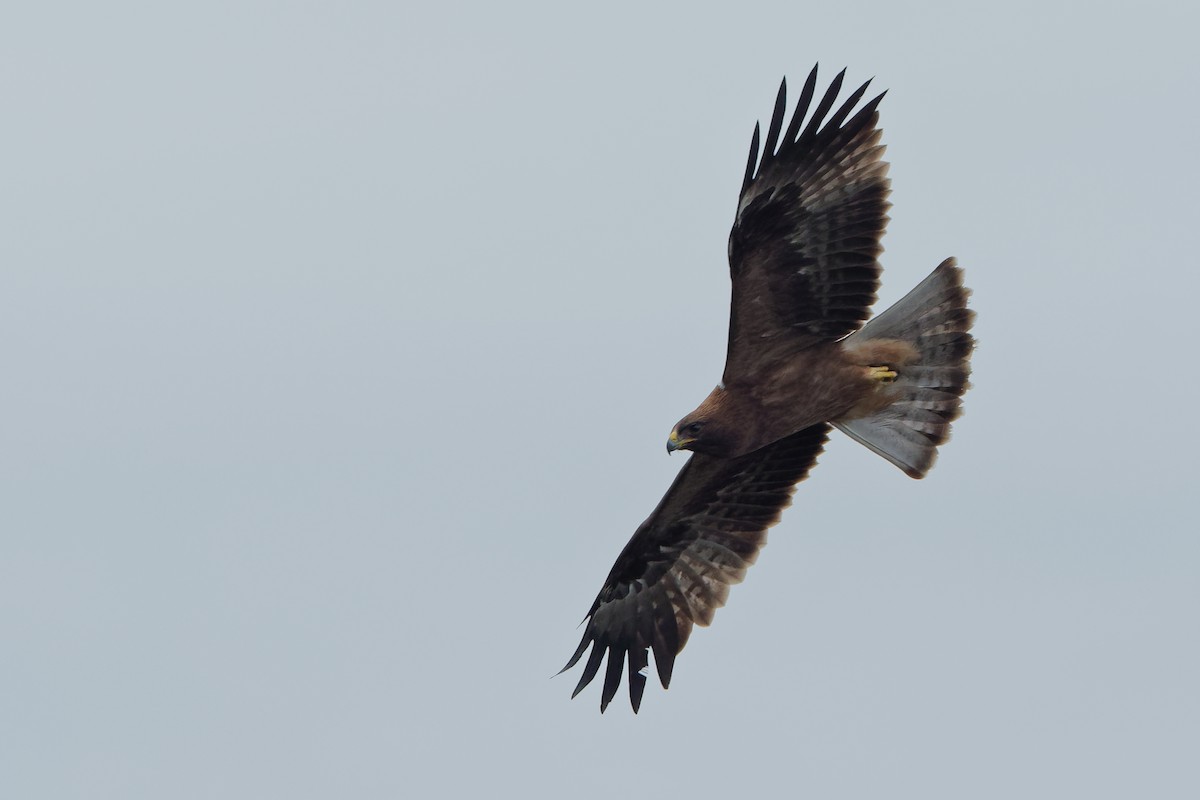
[(796, 388), (802, 357)]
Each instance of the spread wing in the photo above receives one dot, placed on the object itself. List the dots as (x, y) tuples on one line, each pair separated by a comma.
[(804, 249), (677, 569)]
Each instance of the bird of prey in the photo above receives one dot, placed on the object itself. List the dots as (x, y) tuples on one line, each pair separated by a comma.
[(802, 357)]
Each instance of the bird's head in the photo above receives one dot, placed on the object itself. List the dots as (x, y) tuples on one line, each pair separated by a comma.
[(709, 429), (702, 434), (718, 427), (689, 432)]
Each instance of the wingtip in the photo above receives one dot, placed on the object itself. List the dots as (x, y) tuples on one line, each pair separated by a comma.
[(752, 160), (584, 680)]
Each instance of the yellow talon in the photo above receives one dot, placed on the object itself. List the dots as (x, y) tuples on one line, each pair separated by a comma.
[(881, 374)]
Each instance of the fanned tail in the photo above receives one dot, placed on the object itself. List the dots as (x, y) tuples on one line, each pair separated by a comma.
[(934, 320)]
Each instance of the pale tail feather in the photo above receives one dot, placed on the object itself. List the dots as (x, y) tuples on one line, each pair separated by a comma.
[(935, 320)]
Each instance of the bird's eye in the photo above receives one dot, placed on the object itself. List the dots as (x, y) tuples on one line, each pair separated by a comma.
[(694, 428)]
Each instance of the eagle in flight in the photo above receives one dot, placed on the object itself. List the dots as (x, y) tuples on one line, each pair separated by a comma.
[(802, 356)]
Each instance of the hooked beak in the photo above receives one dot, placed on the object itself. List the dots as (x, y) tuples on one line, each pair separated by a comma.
[(675, 443)]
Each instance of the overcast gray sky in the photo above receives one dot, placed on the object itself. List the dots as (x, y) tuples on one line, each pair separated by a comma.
[(340, 343)]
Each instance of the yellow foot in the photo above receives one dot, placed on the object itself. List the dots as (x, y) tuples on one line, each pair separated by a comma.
[(881, 374)]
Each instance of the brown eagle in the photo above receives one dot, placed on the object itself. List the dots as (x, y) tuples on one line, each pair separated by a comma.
[(803, 259)]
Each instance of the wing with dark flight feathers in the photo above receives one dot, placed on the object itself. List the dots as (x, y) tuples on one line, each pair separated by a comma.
[(677, 569), (803, 252)]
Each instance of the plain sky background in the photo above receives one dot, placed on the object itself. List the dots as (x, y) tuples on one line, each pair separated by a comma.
[(340, 343)]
